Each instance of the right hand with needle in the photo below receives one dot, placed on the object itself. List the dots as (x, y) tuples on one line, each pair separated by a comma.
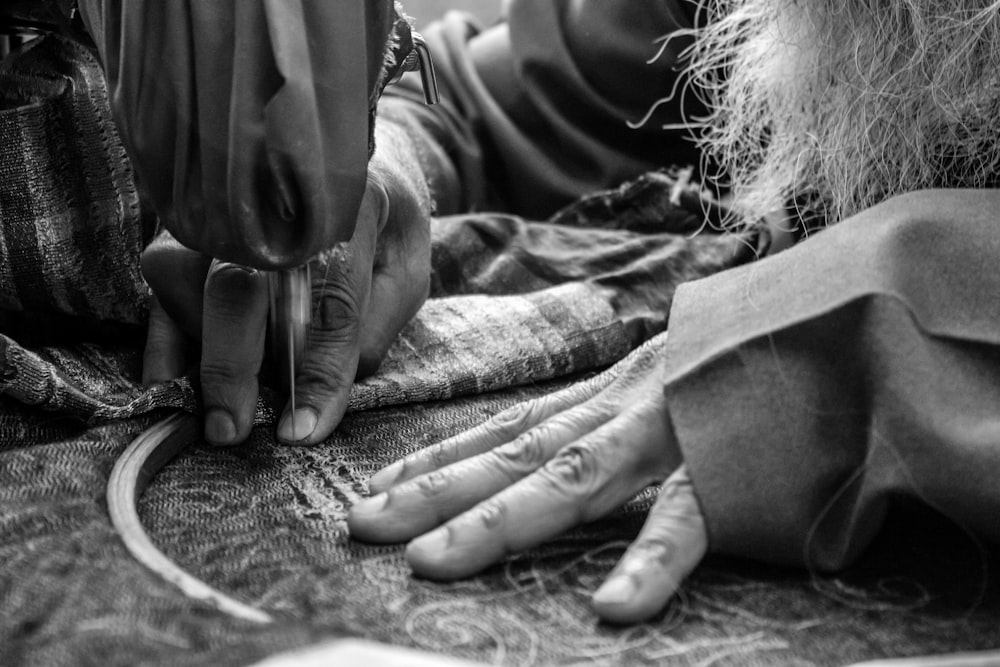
[(252, 146), (363, 292)]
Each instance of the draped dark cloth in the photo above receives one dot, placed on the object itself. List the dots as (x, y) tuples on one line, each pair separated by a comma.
[(247, 122)]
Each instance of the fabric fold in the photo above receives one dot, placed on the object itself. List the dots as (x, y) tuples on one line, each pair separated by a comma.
[(248, 122), (811, 389)]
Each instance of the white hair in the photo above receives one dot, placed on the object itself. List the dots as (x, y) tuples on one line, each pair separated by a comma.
[(839, 104)]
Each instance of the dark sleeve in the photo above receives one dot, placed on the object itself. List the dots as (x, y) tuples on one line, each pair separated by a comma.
[(246, 121), (536, 109), (810, 388)]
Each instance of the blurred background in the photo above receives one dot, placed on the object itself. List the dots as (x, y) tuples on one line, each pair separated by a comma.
[(425, 11)]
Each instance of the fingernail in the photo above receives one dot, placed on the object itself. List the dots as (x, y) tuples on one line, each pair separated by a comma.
[(384, 478), (617, 590), (433, 542), (220, 429), (373, 504), (298, 425)]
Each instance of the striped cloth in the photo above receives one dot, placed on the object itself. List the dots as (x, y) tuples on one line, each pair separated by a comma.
[(71, 227)]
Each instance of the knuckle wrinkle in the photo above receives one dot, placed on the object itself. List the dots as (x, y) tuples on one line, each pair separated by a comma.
[(526, 451), (433, 484), (575, 466), (513, 419), (338, 310), (493, 514)]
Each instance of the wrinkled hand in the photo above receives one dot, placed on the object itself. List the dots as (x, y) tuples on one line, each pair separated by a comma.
[(364, 291), (540, 468)]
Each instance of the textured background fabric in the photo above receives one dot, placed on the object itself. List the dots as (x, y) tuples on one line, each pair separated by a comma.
[(266, 523), (69, 202)]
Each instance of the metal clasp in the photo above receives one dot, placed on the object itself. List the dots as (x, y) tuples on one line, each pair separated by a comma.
[(419, 59)]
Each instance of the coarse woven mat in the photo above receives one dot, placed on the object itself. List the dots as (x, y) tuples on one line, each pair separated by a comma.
[(266, 523)]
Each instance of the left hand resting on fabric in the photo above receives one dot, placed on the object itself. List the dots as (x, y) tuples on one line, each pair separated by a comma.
[(540, 468)]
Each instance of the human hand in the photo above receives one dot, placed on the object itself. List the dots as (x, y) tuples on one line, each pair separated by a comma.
[(363, 292), (540, 468)]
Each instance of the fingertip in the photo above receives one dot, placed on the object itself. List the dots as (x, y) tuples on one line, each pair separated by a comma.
[(220, 428), (615, 600), (387, 518), (428, 555), (299, 427), (385, 478), (627, 599), (364, 519), (321, 400)]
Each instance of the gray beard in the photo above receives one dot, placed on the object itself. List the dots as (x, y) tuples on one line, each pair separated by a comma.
[(839, 104)]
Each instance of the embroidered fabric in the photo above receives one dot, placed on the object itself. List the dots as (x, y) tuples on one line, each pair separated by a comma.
[(266, 523)]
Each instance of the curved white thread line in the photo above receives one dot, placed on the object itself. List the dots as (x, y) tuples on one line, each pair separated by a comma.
[(143, 458)]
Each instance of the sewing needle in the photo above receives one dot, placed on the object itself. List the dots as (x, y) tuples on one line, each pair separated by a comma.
[(291, 373), (289, 318)]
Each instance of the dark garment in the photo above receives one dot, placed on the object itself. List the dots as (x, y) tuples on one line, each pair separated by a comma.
[(811, 388), (247, 122), (536, 109)]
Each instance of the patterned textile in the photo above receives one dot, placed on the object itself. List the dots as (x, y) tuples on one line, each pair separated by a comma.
[(72, 228), (266, 523), (575, 298)]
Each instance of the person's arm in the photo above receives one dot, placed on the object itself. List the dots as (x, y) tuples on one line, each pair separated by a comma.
[(536, 110)]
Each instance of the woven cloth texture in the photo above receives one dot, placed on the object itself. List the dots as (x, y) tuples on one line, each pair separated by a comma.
[(72, 231), (518, 309)]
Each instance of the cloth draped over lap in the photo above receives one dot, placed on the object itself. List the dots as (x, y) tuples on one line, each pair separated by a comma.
[(576, 293)]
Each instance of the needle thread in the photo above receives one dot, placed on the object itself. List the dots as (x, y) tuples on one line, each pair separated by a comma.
[(291, 372)]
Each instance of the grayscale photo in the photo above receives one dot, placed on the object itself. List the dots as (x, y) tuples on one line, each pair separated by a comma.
[(500, 332)]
